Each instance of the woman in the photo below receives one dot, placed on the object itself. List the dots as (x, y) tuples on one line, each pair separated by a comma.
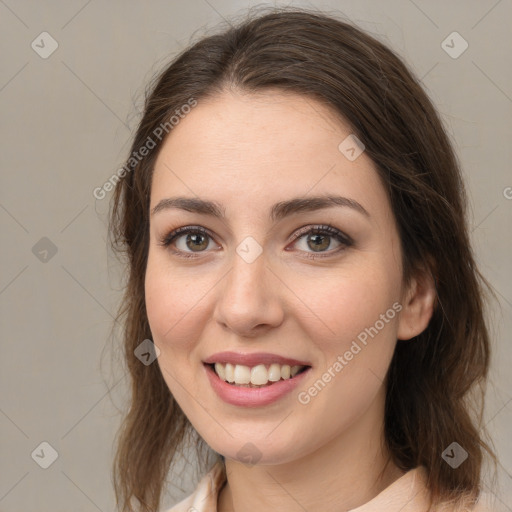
[(294, 218)]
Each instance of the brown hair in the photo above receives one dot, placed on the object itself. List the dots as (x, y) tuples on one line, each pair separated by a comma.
[(436, 382)]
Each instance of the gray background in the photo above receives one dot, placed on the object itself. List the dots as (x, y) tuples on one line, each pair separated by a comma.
[(66, 127)]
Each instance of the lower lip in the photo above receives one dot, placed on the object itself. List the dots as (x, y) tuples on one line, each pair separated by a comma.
[(253, 397)]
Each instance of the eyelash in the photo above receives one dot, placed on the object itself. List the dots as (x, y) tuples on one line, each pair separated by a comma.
[(345, 240)]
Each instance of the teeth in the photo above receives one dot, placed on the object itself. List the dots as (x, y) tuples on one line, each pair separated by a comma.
[(221, 371), (230, 372), (274, 372), (242, 374), (258, 375), (294, 370)]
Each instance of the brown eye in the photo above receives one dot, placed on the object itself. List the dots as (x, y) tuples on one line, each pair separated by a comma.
[(196, 241), (318, 242), (319, 239), (187, 240)]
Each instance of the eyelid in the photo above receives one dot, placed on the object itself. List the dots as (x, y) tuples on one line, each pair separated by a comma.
[(172, 235), (327, 229), (321, 228)]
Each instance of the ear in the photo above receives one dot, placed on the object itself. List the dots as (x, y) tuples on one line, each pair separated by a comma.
[(417, 305)]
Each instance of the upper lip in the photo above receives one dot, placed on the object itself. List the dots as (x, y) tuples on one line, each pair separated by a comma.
[(252, 359)]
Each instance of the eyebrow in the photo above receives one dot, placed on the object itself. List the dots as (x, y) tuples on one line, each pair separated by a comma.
[(278, 211)]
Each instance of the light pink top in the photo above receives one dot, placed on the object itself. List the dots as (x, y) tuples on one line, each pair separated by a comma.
[(406, 494)]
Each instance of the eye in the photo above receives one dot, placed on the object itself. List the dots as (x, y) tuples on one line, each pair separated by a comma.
[(319, 238), (197, 240)]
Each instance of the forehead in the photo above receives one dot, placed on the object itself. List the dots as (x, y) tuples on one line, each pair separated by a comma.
[(257, 149)]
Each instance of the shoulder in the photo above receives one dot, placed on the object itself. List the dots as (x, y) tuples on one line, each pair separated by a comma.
[(414, 487), (489, 503), (479, 507), (485, 504), (204, 497)]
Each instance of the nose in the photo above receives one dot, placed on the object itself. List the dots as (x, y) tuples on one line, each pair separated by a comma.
[(249, 298)]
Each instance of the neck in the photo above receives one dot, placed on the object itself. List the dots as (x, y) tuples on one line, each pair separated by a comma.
[(343, 474)]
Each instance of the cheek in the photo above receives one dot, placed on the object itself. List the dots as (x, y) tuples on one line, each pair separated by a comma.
[(173, 307), (342, 304), (174, 314), (355, 335)]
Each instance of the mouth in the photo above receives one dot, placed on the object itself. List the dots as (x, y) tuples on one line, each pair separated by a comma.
[(257, 376)]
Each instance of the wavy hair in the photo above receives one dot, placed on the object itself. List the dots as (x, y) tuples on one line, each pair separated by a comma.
[(436, 382)]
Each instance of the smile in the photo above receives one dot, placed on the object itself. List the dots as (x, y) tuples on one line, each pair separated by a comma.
[(258, 376), (255, 395)]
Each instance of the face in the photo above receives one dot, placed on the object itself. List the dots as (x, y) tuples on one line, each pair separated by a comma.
[(251, 282)]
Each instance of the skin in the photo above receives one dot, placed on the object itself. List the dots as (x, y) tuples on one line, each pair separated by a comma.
[(247, 152)]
